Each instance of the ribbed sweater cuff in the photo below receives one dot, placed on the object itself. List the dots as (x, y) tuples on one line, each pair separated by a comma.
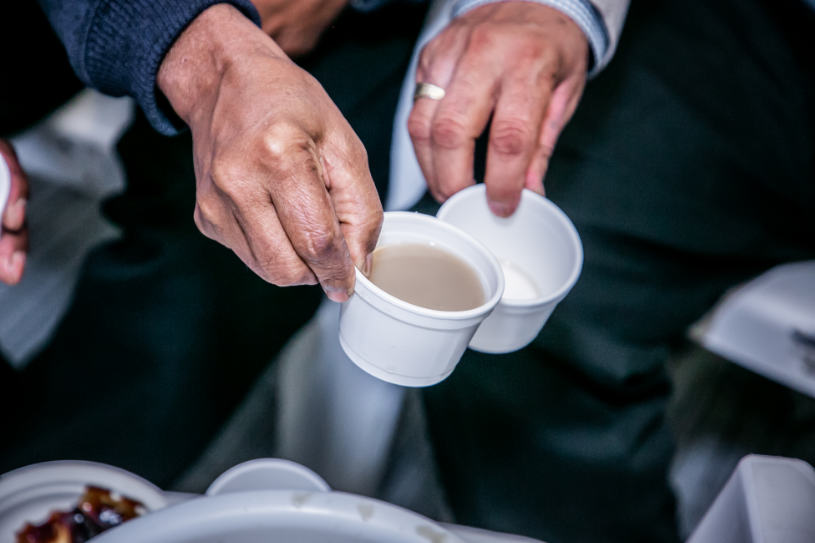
[(126, 42)]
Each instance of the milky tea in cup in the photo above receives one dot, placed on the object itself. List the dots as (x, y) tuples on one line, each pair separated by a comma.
[(426, 276), (429, 288)]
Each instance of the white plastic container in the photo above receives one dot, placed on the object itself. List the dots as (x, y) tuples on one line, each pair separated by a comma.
[(768, 499), (404, 343), (541, 256), (768, 326)]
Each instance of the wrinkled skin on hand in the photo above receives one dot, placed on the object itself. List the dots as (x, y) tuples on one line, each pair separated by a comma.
[(281, 177), (521, 64), (14, 237), (296, 26)]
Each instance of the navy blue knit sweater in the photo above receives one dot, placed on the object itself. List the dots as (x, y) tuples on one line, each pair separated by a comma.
[(117, 46)]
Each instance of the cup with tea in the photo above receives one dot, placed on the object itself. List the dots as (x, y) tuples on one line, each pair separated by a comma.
[(429, 288)]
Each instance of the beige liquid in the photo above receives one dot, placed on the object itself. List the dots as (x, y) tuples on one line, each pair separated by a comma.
[(426, 276)]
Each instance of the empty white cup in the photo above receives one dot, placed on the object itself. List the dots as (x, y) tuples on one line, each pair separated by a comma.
[(541, 256), (403, 343)]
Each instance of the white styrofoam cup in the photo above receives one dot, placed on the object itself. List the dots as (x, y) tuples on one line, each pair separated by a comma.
[(403, 343), (541, 256)]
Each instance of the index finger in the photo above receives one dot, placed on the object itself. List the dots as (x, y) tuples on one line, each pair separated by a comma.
[(513, 139), (286, 216), (353, 194), (307, 215), (458, 121)]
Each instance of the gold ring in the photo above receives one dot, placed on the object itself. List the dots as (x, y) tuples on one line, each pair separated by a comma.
[(428, 90)]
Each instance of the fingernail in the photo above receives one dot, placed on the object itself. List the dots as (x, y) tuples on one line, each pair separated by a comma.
[(500, 208), (18, 259), (15, 261), (369, 262), (16, 213), (336, 294)]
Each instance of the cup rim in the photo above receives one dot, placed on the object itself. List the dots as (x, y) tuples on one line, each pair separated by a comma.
[(466, 314), (562, 218)]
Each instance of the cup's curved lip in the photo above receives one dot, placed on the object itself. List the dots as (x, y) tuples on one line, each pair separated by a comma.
[(5, 184), (485, 307), (564, 219), (276, 473)]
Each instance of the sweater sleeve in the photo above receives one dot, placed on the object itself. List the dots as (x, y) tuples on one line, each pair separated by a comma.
[(116, 46)]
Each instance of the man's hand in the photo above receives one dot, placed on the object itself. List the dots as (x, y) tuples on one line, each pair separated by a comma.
[(519, 63), (282, 179), (14, 236), (297, 26)]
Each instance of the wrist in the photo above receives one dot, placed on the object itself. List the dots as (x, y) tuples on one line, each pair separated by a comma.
[(192, 70)]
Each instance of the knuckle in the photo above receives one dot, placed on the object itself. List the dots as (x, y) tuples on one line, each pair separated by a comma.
[(546, 151), (198, 219), (446, 190), (419, 128), (425, 59), (531, 51), (359, 153), (206, 213), (510, 137), (482, 38), (448, 133), (276, 141), (372, 226), (319, 246), (225, 174)]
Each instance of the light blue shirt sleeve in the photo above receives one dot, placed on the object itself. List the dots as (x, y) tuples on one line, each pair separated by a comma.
[(582, 12)]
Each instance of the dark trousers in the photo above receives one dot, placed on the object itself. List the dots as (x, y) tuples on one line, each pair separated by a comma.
[(688, 168), (167, 329)]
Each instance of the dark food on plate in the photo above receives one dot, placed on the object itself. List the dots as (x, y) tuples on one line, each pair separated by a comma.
[(98, 510)]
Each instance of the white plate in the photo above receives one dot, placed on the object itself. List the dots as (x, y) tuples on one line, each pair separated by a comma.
[(31, 493), (281, 515)]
